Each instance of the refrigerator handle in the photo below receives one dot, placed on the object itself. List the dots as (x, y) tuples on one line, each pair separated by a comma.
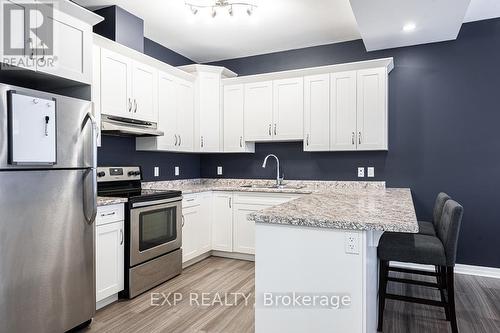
[(93, 169)]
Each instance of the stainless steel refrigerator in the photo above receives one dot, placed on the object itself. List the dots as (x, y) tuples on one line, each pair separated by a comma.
[(47, 211)]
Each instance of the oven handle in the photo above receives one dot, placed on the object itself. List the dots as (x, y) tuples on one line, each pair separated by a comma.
[(155, 202)]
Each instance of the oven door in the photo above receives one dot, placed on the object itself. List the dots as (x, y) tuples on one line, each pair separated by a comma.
[(155, 229)]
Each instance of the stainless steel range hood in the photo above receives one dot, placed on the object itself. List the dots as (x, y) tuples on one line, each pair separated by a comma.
[(111, 125)]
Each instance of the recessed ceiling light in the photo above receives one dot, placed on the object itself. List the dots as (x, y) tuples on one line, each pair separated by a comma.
[(409, 27)]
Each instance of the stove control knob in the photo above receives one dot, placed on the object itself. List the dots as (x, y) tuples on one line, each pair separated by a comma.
[(137, 173), (131, 173), (101, 174)]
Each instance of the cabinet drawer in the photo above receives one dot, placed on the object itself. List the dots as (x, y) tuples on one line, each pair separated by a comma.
[(109, 214), (191, 200)]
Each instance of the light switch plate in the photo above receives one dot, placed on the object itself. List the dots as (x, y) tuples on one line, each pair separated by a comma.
[(351, 243), (219, 170), (371, 172), (361, 172), (157, 172), (176, 171)]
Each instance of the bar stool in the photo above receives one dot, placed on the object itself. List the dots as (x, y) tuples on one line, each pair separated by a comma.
[(439, 251), (429, 228)]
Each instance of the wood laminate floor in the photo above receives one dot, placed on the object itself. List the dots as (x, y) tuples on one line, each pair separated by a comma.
[(478, 305)]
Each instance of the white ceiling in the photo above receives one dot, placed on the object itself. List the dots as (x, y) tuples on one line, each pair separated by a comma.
[(279, 25), (381, 22)]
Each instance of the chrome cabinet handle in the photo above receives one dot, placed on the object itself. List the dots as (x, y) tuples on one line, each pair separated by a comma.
[(129, 104), (241, 142), (121, 236), (270, 130), (32, 55), (274, 129), (180, 140), (175, 138), (230, 203), (135, 105), (202, 141), (307, 140), (189, 200), (183, 221), (352, 139), (359, 138), (108, 214)]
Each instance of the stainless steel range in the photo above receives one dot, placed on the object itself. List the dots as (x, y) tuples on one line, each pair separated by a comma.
[(153, 228)]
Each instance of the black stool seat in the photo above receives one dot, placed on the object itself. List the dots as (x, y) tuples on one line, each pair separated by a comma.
[(426, 228), (414, 248)]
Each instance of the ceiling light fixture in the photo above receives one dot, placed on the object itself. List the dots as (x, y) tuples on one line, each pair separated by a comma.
[(250, 7), (409, 27)]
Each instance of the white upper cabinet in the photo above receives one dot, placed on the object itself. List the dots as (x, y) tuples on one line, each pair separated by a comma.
[(258, 111), (69, 56), (115, 84), (288, 109), (372, 109), (208, 112), (129, 88), (343, 111), (144, 92), (175, 116), (317, 112), (233, 120)]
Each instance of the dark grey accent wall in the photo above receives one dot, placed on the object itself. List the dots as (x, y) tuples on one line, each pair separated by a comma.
[(122, 27), (160, 52), (444, 113), (120, 151)]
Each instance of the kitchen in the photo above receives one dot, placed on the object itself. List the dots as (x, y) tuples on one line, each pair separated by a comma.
[(204, 189)]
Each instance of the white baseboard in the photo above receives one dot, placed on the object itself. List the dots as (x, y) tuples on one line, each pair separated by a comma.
[(459, 269)]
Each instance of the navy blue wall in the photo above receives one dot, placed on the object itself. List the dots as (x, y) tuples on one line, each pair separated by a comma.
[(444, 115), (160, 52), (120, 151)]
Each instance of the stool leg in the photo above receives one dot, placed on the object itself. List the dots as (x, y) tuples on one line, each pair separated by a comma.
[(450, 287), (441, 279), (382, 289)]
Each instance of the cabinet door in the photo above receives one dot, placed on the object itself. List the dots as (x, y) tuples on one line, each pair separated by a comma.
[(234, 140), (72, 40), (222, 224), (343, 114), (190, 233), (258, 111), (317, 112), (115, 84), (244, 229), (208, 112), (288, 109), (372, 109), (167, 112), (185, 115), (144, 92), (205, 223), (109, 259)]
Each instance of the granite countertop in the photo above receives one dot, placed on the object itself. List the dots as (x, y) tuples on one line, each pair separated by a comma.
[(106, 201), (375, 209)]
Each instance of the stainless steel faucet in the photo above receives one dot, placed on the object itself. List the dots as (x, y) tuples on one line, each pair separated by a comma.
[(279, 180)]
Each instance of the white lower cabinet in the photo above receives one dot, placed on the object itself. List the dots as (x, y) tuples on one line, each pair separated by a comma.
[(196, 230), (109, 258), (222, 223)]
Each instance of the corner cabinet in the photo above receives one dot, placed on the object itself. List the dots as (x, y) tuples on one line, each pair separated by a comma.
[(109, 262)]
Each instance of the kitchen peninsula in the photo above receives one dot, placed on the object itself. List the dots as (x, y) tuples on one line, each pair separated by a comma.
[(325, 244)]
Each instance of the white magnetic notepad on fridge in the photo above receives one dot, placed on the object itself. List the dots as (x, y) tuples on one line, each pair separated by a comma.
[(33, 130)]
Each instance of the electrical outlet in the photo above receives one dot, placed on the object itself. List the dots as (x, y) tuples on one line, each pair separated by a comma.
[(176, 171), (219, 170), (351, 243), (361, 172), (371, 172), (156, 171)]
